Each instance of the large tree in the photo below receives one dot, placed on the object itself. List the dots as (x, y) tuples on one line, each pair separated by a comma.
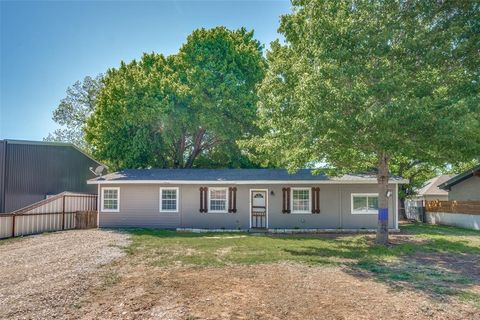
[(181, 111), (361, 84), (74, 110)]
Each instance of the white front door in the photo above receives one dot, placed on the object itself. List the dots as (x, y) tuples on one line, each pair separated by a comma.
[(258, 208)]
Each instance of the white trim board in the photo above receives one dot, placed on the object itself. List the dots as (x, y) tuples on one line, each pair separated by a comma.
[(242, 182)]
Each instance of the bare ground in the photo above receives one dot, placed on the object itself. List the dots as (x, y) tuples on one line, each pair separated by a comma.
[(77, 275), (273, 291), (41, 277)]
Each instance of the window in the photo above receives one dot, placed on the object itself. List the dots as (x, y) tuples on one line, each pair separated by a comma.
[(168, 199), (301, 200), (217, 201), (364, 203), (110, 199)]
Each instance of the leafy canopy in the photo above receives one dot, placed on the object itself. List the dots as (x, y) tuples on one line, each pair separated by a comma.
[(183, 110), (358, 84), (73, 111), (356, 79)]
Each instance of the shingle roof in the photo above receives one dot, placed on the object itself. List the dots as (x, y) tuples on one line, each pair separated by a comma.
[(460, 177), (431, 186), (227, 175)]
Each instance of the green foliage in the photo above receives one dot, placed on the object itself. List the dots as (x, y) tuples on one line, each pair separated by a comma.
[(359, 79), (359, 84), (74, 110), (184, 110), (415, 171), (461, 167)]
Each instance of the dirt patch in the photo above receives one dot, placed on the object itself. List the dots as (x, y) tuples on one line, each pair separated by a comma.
[(43, 276), (465, 264), (269, 291)]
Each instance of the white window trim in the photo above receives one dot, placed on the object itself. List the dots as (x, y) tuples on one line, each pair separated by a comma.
[(309, 211), (118, 199), (226, 200), (362, 195), (177, 190)]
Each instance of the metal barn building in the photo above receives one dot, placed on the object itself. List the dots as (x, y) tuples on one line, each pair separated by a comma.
[(30, 171)]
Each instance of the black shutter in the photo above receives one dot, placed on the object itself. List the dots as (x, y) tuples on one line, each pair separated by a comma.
[(234, 193), (318, 200), (232, 199), (203, 199), (286, 200), (315, 200)]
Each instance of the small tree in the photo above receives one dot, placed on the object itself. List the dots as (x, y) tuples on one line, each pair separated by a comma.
[(361, 83)]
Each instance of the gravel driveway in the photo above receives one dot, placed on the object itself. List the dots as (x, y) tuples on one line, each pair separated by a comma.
[(42, 276)]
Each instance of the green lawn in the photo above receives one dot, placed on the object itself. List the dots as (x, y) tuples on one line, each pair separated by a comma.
[(436, 259)]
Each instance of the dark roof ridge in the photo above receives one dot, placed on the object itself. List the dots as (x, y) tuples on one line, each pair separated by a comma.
[(460, 177)]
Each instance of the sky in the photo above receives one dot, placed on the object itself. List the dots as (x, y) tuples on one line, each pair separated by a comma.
[(45, 46)]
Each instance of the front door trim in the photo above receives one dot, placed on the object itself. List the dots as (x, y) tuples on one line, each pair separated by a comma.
[(251, 191)]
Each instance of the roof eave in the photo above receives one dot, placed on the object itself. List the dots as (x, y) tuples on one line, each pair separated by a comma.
[(242, 182), (459, 178)]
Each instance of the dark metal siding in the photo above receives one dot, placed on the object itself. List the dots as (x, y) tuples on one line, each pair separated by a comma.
[(36, 170), (2, 174)]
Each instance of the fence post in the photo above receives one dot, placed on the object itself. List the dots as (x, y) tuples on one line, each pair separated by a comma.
[(63, 213), (13, 225)]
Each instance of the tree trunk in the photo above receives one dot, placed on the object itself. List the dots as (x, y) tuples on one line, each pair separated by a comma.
[(179, 159), (197, 147), (382, 179)]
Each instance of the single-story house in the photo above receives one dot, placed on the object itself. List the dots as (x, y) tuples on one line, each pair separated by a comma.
[(31, 171), (430, 190), (240, 199), (465, 186)]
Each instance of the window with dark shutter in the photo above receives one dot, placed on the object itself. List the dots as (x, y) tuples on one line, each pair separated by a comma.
[(315, 200), (286, 200), (203, 199), (232, 199)]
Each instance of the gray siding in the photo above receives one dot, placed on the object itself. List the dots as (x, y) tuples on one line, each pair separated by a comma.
[(467, 190), (140, 207), (140, 204), (34, 170)]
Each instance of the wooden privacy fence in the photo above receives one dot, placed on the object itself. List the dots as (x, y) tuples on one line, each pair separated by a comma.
[(460, 207), (60, 212)]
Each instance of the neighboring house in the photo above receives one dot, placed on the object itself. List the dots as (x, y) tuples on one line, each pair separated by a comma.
[(240, 199), (430, 191), (30, 171), (465, 186)]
